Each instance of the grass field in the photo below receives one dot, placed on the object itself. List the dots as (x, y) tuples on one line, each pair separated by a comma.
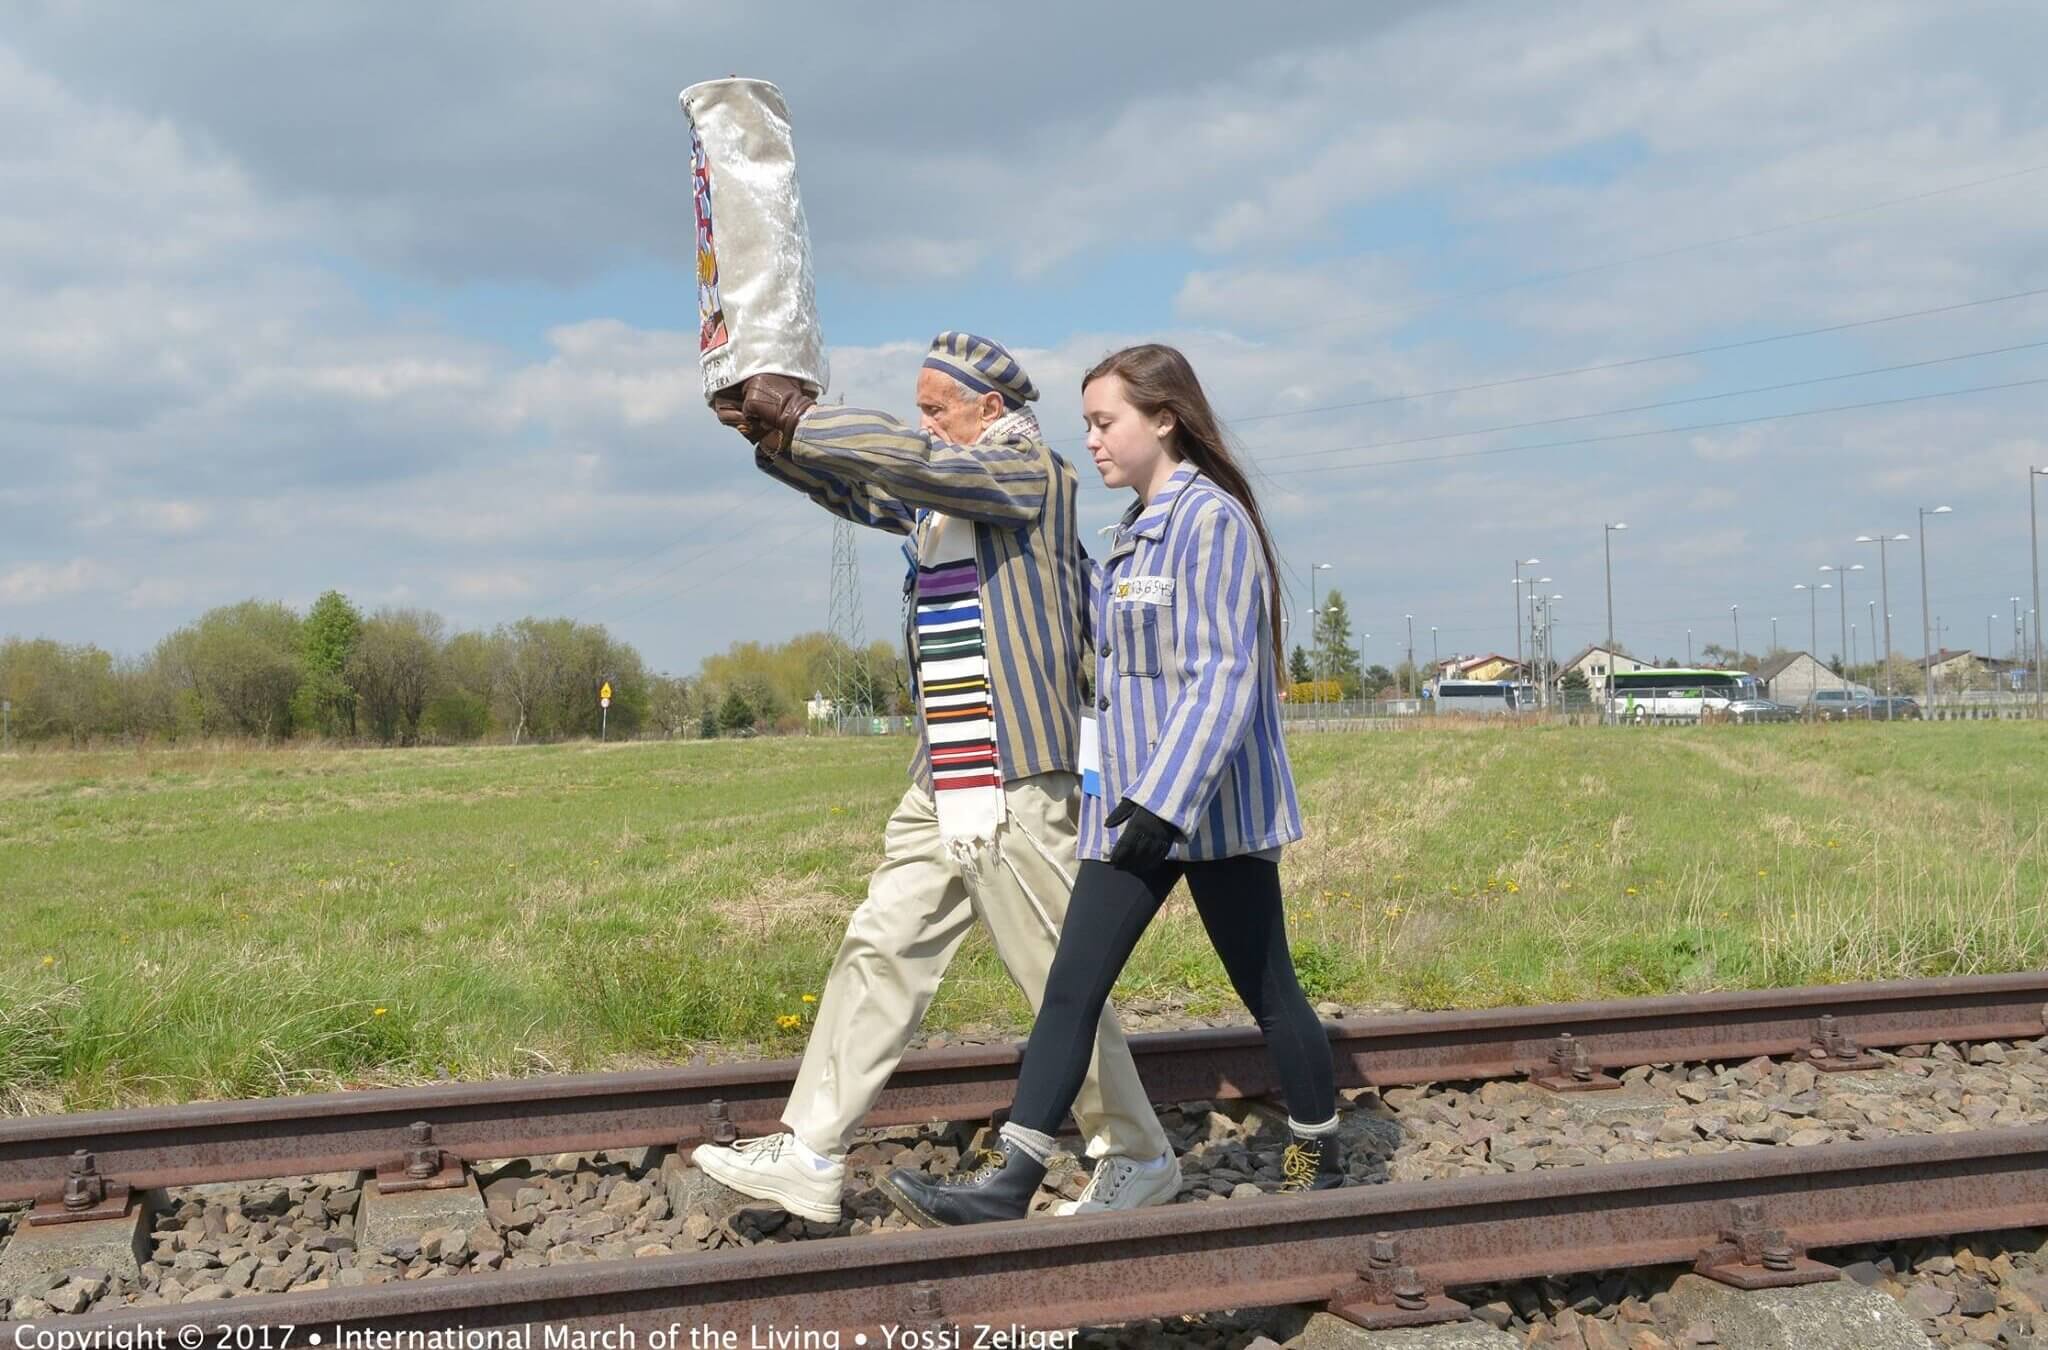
[(205, 923)]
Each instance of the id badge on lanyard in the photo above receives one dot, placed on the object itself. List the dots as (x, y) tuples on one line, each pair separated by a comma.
[(1091, 756)]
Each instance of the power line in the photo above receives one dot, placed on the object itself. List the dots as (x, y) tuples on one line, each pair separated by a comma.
[(627, 567), (751, 556), (1665, 431), (1643, 360), (640, 583), (1665, 403), (1545, 278)]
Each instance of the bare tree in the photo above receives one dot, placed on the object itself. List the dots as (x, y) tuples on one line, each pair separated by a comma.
[(392, 670)]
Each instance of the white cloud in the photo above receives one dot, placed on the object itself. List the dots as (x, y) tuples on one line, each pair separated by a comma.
[(203, 344), (33, 583)]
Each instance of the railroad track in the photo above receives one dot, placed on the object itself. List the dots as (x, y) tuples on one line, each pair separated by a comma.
[(1379, 1254), (471, 1122)]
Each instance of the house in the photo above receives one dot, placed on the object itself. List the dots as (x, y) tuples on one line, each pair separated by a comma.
[(1596, 663), (1794, 677), (1963, 670), (1488, 667)]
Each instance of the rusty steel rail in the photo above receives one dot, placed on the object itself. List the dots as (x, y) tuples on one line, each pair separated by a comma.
[(1329, 1249), (339, 1131)]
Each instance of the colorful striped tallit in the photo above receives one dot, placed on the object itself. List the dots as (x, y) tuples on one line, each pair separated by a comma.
[(952, 674)]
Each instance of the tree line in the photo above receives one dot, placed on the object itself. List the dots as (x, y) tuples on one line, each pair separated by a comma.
[(261, 670)]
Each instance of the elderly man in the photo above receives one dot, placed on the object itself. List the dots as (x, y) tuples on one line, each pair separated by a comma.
[(994, 617)]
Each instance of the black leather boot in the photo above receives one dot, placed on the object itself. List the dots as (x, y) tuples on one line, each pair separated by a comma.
[(1001, 1189), (1312, 1163)]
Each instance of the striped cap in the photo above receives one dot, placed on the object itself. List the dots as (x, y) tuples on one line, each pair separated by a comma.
[(985, 367)]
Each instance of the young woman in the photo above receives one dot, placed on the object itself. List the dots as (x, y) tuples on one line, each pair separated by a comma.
[(1193, 782)]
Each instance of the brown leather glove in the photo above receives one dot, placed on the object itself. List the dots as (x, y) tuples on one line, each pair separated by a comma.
[(764, 409)]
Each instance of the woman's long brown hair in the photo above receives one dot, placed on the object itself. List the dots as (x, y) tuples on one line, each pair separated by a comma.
[(1158, 379)]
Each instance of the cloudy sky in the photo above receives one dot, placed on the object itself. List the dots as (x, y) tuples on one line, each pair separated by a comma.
[(398, 299)]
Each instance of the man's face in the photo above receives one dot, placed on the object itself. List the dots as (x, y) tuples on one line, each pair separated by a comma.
[(951, 411)]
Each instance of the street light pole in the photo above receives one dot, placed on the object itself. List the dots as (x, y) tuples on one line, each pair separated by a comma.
[(1519, 565), (2034, 530), (1813, 612), (1926, 651), (1688, 649), (1884, 581), (1549, 652), (1774, 635), (1735, 614), (1842, 594), (1315, 636), (1607, 540), (1410, 680)]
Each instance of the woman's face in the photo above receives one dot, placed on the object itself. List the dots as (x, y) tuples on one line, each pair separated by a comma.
[(1126, 444)]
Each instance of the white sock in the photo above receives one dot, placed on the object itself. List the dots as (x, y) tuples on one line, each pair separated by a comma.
[(1158, 1164), (816, 1161), (1312, 1131), (1036, 1143)]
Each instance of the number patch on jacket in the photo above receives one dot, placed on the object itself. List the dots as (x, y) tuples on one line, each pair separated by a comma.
[(1143, 591)]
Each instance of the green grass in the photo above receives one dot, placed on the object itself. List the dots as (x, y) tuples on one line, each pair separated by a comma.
[(205, 923)]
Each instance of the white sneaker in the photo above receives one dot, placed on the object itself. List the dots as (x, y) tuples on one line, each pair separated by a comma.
[(777, 1168), (1121, 1182)]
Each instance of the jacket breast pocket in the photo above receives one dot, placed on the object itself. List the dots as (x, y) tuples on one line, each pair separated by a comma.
[(1134, 633)]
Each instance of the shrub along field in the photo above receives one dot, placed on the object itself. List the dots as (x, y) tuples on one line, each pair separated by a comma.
[(200, 923)]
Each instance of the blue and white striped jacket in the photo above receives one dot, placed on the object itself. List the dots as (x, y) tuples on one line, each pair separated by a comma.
[(871, 469), (1186, 688)]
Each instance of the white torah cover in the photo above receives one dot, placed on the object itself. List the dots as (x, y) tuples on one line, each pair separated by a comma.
[(757, 307)]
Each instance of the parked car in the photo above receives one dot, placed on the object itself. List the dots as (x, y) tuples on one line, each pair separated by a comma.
[(1834, 705), (1896, 708), (1762, 710)]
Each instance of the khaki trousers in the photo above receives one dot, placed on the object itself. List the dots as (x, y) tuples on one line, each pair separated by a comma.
[(920, 904)]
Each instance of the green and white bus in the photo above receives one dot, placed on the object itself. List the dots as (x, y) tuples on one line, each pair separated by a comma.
[(1675, 695)]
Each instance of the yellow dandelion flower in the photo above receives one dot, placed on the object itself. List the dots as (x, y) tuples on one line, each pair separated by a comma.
[(1392, 911), (789, 1021), (49, 961), (379, 1012), (1346, 895), (1631, 890), (1833, 844), (1762, 872), (1513, 889), (810, 998)]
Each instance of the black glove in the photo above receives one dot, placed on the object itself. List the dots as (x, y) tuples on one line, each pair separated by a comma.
[(764, 409), (1145, 841)]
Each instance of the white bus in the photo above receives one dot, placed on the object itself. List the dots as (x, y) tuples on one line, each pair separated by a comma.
[(1485, 698), (1676, 695)]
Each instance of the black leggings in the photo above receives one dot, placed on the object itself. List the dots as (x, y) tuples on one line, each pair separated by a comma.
[(1239, 901)]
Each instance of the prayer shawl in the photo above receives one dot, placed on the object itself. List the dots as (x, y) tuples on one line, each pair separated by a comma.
[(953, 675)]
